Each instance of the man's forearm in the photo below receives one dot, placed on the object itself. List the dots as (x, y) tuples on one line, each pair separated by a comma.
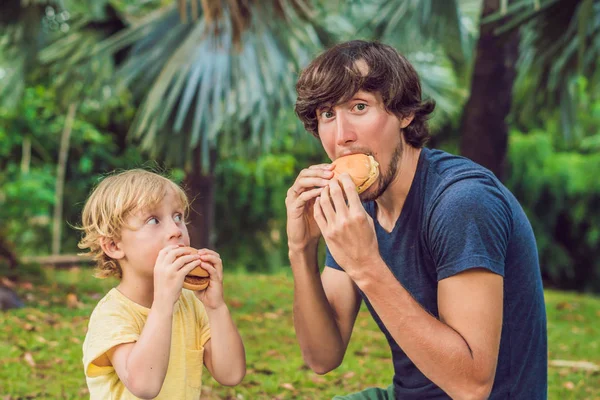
[(316, 328), (440, 352), (228, 357)]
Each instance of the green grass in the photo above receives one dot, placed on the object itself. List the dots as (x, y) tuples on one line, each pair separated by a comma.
[(40, 345)]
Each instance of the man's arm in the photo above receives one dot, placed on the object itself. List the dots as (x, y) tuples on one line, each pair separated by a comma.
[(458, 352), (325, 309)]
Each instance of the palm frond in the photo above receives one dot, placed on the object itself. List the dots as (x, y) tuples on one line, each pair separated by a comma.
[(438, 38), (205, 82), (19, 28), (560, 40), (407, 23)]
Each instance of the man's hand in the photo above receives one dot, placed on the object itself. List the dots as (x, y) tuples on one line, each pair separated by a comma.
[(347, 228), (302, 230)]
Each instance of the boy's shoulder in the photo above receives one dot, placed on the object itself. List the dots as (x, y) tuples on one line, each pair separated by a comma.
[(115, 304)]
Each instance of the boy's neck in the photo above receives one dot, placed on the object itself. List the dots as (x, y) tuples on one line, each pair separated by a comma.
[(137, 289)]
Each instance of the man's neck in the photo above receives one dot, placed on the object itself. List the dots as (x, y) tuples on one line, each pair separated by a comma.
[(390, 203)]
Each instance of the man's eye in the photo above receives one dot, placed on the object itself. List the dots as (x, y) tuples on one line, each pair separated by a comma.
[(361, 106), (327, 114)]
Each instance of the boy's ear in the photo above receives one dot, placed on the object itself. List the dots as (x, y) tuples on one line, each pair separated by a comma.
[(404, 122), (111, 248)]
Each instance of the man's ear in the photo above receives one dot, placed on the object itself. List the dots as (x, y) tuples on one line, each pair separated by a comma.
[(111, 248), (404, 122)]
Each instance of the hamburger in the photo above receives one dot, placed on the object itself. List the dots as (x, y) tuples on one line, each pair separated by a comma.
[(363, 170), (198, 278)]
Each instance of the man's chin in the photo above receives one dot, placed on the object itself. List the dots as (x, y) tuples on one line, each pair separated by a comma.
[(371, 194)]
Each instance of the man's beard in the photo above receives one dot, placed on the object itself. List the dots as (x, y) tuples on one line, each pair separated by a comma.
[(384, 180)]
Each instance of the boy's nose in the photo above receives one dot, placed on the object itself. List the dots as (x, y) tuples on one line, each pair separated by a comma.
[(174, 230), (344, 130)]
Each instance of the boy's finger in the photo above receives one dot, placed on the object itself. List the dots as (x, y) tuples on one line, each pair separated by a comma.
[(184, 260), (212, 271), (187, 268), (164, 251), (212, 258), (178, 252), (209, 251)]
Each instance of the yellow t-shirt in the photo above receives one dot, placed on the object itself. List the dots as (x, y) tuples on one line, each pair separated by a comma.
[(116, 320)]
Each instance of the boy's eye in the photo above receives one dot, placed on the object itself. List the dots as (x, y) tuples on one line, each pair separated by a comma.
[(152, 221), (178, 217)]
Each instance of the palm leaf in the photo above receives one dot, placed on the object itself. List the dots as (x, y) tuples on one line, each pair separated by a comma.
[(438, 38), (560, 40), (209, 88)]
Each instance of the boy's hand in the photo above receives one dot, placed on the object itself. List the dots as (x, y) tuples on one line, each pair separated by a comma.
[(172, 265), (212, 296)]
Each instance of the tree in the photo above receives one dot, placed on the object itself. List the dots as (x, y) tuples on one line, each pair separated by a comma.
[(436, 37), (549, 43), (484, 129), (212, 78)]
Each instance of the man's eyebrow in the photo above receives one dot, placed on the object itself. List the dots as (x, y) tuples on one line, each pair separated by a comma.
[(326, 106)]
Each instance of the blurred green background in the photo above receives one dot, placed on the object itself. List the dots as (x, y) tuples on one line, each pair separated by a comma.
[(203, 90)]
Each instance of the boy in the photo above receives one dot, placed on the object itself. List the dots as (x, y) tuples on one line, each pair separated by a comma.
[(148, 337)]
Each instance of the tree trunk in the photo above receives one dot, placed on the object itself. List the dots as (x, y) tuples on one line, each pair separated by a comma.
[(484, 137), (61, 169), (7, 253), (200, 189)]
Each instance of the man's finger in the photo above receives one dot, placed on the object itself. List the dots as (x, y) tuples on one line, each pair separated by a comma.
[(337, 196), (326, 205), (351, 192), (319, 216), (307, 196)]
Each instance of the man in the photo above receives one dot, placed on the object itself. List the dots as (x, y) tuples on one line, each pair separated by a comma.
[(440, 251)]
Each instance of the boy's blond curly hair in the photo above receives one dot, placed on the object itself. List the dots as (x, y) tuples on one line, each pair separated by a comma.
[(114, 199)]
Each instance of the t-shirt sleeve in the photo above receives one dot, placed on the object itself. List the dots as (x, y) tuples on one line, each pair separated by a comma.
[(330, 261), (469, 227), (109, 326)]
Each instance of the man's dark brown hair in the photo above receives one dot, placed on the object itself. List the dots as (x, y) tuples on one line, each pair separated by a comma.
[(333, 78)]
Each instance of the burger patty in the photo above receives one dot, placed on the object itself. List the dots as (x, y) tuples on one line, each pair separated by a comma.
[(195, 280)]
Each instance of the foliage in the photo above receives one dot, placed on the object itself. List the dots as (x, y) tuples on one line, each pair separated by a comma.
[(29, 141), (560, 40), (436, 37), (202, 72), (41, 344), (250, 205), (556, 181)]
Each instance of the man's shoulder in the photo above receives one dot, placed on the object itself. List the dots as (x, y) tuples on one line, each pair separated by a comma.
[(449, 167), (449, 177)]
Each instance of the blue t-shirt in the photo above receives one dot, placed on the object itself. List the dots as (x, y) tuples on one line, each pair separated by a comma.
[(458, 216)]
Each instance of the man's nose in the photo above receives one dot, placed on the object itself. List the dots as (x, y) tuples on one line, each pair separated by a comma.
[(345, 132)]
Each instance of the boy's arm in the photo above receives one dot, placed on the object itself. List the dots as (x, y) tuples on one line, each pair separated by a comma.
[(142, 366), (224, 354)]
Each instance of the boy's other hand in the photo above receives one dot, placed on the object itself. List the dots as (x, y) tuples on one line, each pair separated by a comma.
[(212, 296), (172, 265)]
